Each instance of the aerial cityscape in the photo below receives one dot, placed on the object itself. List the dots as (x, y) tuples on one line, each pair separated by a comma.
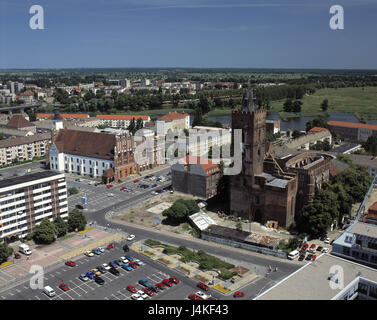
[(182, 150)]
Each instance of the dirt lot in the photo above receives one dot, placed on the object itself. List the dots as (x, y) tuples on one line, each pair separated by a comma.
[(144, 213)]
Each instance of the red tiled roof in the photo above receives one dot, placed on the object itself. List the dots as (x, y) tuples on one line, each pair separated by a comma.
[(352, 125), (63, 115), (27, 93), (121, 117), (205, 163), (173, 116), (18, 121), (373, 207), (317, 129)]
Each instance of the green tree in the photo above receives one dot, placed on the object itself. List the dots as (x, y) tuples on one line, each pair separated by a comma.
[(132, 126), (288, 105), (371, 145), (139, 124), (296, 134), (61, 226), (73, 190), (45, 232), (76, 220), (297, 106), (325, 105), (239, 225), (5, 251)]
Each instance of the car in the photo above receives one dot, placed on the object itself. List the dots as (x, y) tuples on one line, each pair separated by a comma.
[(99, 280), (101, 249), (128, 257), (138, 262), (110, 194), (78, 180), (114, 271), (136, 180), (309, 257), (131, 237), (79, 206), (167, 282), (89, 254), (127, 267), (118, 262), (160, 286), (126, 248), (101, 269), (83, 277), (106, 266), (110, 246), (301, 257), (124, 260), (131, 288), (148, 291), (109, 186), (314, 257), (144, 282), (133, 265), (112, 264), (313, 246), (142, 294), (202, 295), (203, 286), (193, 296), (305, 247), (238, 294), (153, 288), (63, 286), (122, 188), (97, 184), (96, 251), (136, 296), (96, 272), (319, 248), (174, 280), (327, 240), (154, 193), (17, 255), (325, 250), (70, 263), (159, 191), (90, 274), (154, 185)]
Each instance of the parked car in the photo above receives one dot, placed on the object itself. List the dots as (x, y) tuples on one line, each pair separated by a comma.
[(144, 282), (153, 288), (167, 282), (136, 296), (110, 246), (314, 257), (99, 280), (142, 294), (154, 185), (325, 250), (138, 262), (319, 248), (79, 206), (202, 295), (193, 296), (129, 258), (101, 249), (136, 181), (114, 271), (305, 247), (160, 286), (309, 257), (301, 257), (127, 267), (133, 265), (327, 240), (312, 247), (131, 237), (124, 260), (106, 266), (174, 280), (148, 291), (122, 189), (109, 186), (101, 269), (131, 288), (63, 286), (89, 254), (203, 286), (96, 272), (90, 274), (238, 294), (83, 277)]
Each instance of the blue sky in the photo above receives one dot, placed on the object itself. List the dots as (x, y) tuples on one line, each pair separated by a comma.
[(188, 33)]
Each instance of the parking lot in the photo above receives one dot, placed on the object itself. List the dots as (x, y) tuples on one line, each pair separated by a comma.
[(114, 287), (100, 196)]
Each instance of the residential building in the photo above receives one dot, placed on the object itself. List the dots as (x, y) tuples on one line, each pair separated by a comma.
[(24, 148), (308, 140), (171, 122), (145, 82), (65, 116), (26, 200), (196, 176), (353, 132), (120, 121), (18, 122), (27, 97)]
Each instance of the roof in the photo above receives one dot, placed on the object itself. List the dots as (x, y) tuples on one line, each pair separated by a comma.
[(63, 115), (352, 125), (121, 117), (311, 282), (373, 206), (205, 163), (201, 220), (27, 93), (27, 178), (18, 121), (347, 147), (108, 173), (279, 183), (317, 129), (364, 229), (24, 140), (83, 143), (173, 116), (337, 166)]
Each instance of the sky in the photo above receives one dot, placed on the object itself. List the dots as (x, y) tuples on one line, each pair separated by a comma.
[(188, 33)]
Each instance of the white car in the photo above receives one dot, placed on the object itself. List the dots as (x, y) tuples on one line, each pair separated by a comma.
[(110, 195), (142, 294), (124, 260), (101, 249), (325, 250), (139, 262), (89, 253), (136, 296), (202, 295), (106, 266), (154, 193), (327, 240), (131, 237)]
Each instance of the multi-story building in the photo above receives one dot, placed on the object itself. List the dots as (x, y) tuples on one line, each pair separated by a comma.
[(308, 140), (171, 122), (196, 176), (26, 200), (27, 97), (65, 116), (24, 148), (145, 82), (353, 132), (18, 122), (121, 120)]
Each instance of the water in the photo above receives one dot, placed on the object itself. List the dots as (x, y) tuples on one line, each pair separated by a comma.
[(297, 123)]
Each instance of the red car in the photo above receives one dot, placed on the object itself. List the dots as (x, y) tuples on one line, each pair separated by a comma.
[(167, 282), (109, 186), (312, 247), (17, 255), (238, 294), (123, 188), (193, 296), (314, 257), (305, 246), (148, 291), (70, 263), (136, 181), (133, 265), (203, 286), (110, 246), (160, 285), (131, 288), (63, 286), (174, 280)]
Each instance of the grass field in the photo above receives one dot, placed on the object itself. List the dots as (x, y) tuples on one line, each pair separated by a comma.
[(363, 103)]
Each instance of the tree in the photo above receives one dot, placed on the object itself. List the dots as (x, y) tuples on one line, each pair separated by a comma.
[(73, 190), (180, 210), (61, 226), (239, 225), (5, 251), (139, 124), (76, 220), (317, 122), (288, 105), (297, 106), (296, 134), (132, 127), (371, 145), (45, 232), (325, 105)]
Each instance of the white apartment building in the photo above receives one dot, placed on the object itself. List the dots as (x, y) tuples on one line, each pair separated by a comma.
[(120, 120), (26, 200)]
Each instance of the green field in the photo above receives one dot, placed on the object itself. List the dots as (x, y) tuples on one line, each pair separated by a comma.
[(363, 103)]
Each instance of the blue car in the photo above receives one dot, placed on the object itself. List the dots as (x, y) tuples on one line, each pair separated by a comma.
[(129, 258), (127, 267), (144, 282), (113, 264), (90, 275)]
